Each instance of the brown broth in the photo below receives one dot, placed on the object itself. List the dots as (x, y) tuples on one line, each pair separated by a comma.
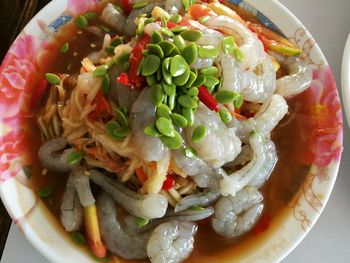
[(282, 186)]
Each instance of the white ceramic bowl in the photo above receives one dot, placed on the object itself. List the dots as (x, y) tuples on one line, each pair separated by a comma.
[(18, 74), (345, 80)]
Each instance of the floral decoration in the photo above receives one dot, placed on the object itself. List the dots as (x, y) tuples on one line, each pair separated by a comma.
[(76, 7), (18, 77)]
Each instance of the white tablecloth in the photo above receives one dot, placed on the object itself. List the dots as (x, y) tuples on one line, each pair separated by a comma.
[(329, 240)]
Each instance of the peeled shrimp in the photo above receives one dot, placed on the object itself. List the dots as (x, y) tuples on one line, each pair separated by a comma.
[(231, 72), (143, 114), (119, 93), (265, 120), (245, 156), (203, 174), (150, 148), (298, 80), (254, 87), (78, 194), (235, 216), (258, 88), (183, 216), (251, 47), (146, 206), (233, 183), (201, 199), (94, 30), (220, 145), (96, 56), (71, 208), (50, 155), (208, 180), (190, 166), (202, 63), (130, 25), (151, 27), (171, 242), (81, 183), (265, 171), (117, 240), (173, 6), (210, 37), (113, 17)]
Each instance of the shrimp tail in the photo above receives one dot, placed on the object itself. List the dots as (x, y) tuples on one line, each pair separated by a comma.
[(147, 206)]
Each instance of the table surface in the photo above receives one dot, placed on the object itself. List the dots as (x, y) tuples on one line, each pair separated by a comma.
[(329, 239)]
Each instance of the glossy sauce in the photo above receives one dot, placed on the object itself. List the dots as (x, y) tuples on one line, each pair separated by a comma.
[(284, 183)]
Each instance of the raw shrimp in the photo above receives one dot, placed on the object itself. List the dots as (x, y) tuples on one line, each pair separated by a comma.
[(237, 215), (150, 148), (190, 166), (171, 242), (202, 63), (143, 114), (183, 216), (254, 87), (81, 183), (208, 180), (151, 27), (201, 199), (173, 6), (146, 206), (233, 183), (258, 88), (210, 37), (251, 48), (231, 72), (77, 195), (298, 80), (265, 120), (119, 93), (113, 17), (245, 156), (96, 56), (264, 173), (203, 174), (220, 145), (130, 25), (50, 155), (71, 208), (94, 30), (113, 234)]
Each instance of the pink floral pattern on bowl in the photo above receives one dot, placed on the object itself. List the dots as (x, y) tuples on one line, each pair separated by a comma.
[(326, 138), (20, 76), (12, 146), (75, 7)]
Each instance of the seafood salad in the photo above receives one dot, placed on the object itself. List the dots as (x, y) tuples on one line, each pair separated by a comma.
[(166, 125)]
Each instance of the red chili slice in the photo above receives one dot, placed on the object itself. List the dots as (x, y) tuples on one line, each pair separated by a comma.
[(208, 99), (127, 6), (135, 59), (168, 183), (102, 106), (124, 79)]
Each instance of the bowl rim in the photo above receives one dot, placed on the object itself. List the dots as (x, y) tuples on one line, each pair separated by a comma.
[(345, 79), (52, 254)]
